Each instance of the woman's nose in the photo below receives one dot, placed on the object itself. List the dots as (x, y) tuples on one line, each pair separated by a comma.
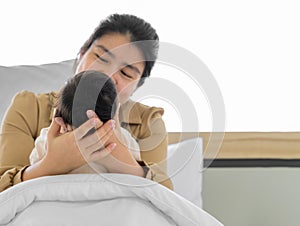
[(114, 78)]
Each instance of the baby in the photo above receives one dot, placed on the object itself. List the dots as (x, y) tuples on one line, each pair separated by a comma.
[(87, 90)]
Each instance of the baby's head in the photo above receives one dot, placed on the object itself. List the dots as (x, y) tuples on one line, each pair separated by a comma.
[(87, 90)]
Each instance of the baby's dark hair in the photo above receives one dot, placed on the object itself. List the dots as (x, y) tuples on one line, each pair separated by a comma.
[(87, 90)]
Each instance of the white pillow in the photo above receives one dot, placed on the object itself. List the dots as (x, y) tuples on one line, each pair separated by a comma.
[(184, 166), (36, 78)]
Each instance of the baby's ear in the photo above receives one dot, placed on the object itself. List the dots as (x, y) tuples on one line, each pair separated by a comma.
[(60, 122)]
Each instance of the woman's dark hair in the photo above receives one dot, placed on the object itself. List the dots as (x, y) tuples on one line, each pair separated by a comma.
[(137, 29), (88, 90)]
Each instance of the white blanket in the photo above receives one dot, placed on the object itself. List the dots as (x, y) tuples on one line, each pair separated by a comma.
[(91, 199)]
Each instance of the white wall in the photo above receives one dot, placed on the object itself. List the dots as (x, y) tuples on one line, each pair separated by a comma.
[(251, 47)]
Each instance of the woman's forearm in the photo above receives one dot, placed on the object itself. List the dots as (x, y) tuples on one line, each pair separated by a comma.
[(44, 167), (34, 171), (121, 161), (130, 169)]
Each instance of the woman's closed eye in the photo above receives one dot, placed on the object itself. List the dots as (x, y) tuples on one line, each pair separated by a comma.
[(126, 74), (129, 73), (102, 59)]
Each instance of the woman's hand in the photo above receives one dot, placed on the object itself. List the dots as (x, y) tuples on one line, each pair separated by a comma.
[(71, 150), (120, 160)]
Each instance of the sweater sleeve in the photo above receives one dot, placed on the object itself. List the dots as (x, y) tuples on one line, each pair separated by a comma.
[(10, 176), (153, 147), (18, 132)]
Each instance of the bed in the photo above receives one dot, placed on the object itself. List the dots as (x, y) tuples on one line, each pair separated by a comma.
[(253, 180), (104, 199)]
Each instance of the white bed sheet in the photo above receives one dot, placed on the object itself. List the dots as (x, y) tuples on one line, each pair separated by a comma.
[(91, 199)]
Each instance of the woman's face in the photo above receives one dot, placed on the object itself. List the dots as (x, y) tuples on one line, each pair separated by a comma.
[(113, 55)]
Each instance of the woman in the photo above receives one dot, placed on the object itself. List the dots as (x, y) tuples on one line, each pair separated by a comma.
[(114, 49)]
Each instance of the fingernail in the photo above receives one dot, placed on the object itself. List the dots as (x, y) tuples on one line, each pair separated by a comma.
[(90, 113), (112, 146), (58, 120), (112, 124)]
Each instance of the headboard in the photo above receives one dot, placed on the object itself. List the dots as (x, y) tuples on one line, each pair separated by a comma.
[(244, 149)]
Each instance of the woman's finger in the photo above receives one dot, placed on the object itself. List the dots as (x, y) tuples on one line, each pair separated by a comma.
[(60, 122), (106, 128), (100, 154), (54, 129), (82, 130), (91, 114), (100, 143), (96, 136)]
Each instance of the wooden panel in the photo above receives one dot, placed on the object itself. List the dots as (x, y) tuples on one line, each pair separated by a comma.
[(282, 145)]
